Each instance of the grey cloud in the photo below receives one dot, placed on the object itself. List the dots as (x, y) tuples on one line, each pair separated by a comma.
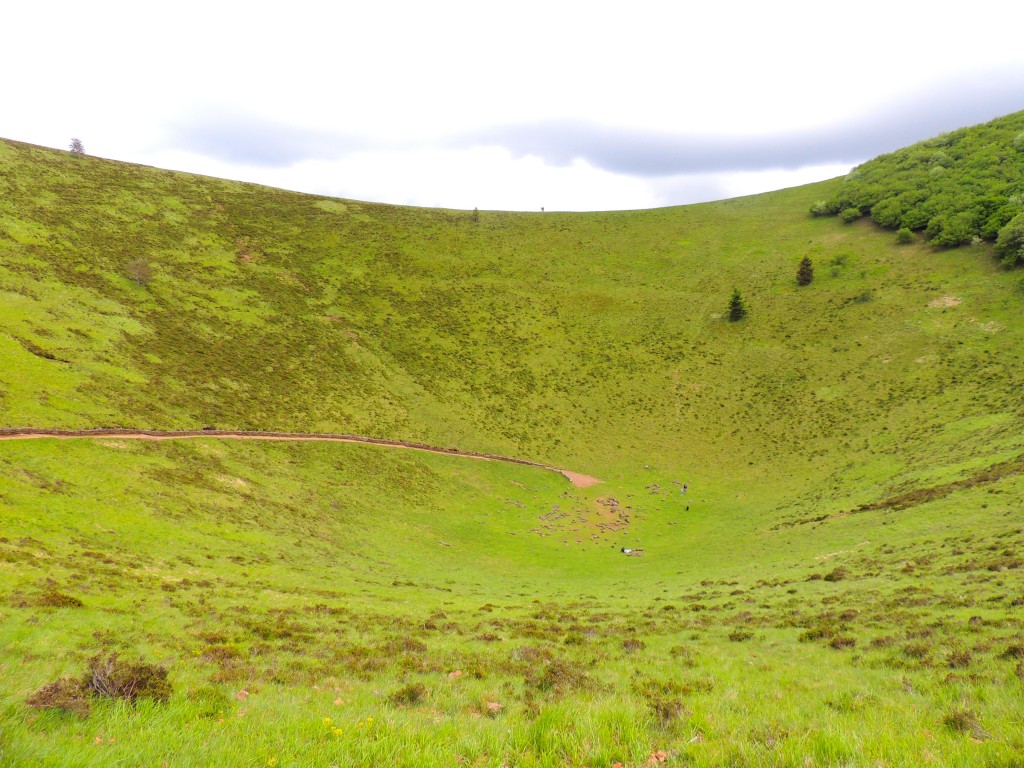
[(239, 138), (235, 137), (656, 154)]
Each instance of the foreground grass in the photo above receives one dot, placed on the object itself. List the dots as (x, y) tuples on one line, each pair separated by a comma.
[(884, 637)]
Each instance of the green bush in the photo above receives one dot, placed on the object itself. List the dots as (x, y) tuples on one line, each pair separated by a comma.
[(805, 271), (822, 208), (915, 219), (737, 308), (1010, 243), (904, 235), (949, 231), (957, 187), (888, 213)]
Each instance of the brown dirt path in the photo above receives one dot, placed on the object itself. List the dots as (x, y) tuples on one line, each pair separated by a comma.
[(580, 481)]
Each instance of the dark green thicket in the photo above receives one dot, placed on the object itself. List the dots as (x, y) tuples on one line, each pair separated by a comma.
[(957, 188), (805, 272), (737, 308), (109, 677)]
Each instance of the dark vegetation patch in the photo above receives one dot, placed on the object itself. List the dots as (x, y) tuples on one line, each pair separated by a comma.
[(52, 599), (108, 676), (32, 348), (558, 676), (917, 496), (408, 695), (633, 644), (963, 720), (958, 187), (994, 473)]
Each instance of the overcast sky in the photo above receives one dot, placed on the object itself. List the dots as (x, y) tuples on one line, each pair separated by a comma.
[(565, 105)]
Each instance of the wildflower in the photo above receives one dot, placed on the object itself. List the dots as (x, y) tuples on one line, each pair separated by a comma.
[(272, 761), (327, 721)]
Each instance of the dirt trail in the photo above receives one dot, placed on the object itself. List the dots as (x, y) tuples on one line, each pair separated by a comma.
[(580, 481)]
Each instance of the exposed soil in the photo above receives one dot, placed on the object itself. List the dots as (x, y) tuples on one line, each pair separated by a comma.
[(578, 480)]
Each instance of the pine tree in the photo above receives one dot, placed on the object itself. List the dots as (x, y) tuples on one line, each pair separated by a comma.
[(737, 309), (805, 272)]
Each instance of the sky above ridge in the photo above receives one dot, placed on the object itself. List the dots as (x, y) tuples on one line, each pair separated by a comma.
[(515, 106)]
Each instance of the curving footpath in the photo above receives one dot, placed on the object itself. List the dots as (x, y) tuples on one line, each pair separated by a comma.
[(580, 481)]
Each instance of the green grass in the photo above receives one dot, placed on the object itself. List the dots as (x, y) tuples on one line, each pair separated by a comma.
[(841, 584)]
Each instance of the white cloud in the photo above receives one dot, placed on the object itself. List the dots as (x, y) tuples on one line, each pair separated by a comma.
[(401, 77), (485, 178)]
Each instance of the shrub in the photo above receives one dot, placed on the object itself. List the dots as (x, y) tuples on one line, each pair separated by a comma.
[(919, 650), (54, 599), (410, 694), (805, 272), (836, 574), (118, 679), (558, 676), (959, 658), (915, 219), (1010, 242), (961, 185), (632, 644), (904, 235), (68, 693), (839, 642), (887, 213), (663, 697), (951, 231), (209, 702), (76, 147), (737, 309), (107, 676), (961, 720), (1013, 651), (139, 271)]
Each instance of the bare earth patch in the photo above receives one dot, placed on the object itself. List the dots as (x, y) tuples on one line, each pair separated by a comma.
[(580, 481), (110, 434), (945, 301)]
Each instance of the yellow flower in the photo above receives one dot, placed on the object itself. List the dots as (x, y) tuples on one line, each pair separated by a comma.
[(327, 721), (272, 761)]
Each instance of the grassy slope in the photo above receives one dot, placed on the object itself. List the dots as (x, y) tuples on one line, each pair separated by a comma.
[(593, 341)]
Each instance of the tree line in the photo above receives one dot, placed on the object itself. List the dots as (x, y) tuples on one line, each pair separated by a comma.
[(965, 186)]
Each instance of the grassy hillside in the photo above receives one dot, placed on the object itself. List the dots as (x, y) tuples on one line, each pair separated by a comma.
[(840, 585)]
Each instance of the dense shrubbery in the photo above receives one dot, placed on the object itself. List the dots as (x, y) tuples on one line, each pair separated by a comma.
[(1010, 243), (956, 188)]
